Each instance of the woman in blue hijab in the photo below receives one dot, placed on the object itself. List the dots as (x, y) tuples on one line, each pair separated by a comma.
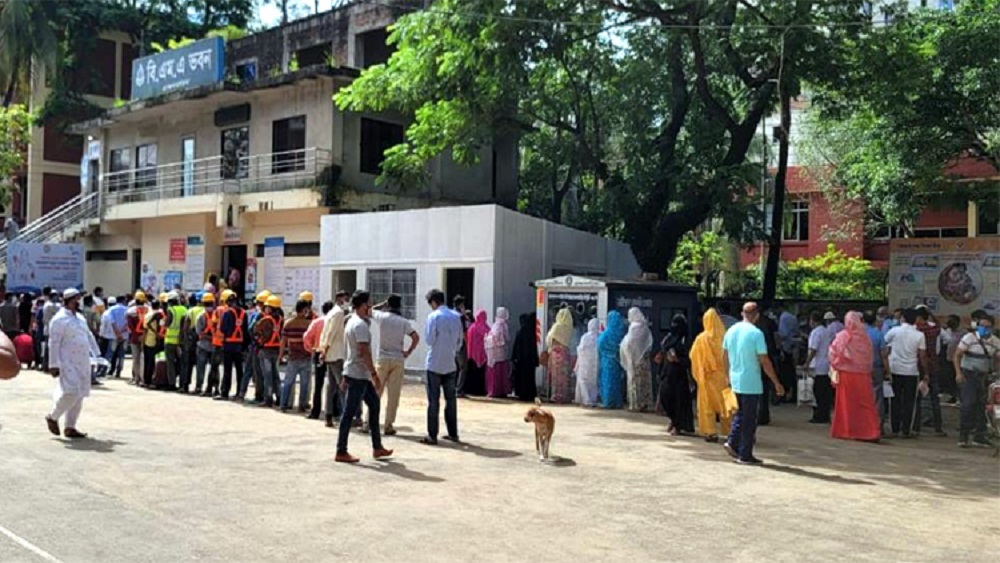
[(611, 375)]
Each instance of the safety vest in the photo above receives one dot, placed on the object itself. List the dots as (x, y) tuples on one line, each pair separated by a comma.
[(140, 314), (274, 341), (173, 332), (237, 336), (217, 336), (209, 330)]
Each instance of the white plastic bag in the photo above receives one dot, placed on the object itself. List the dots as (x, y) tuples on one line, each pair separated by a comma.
[(887, 391), (805, 394)]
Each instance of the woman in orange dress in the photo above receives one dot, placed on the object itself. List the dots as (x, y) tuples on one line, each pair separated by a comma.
[(855, 416)]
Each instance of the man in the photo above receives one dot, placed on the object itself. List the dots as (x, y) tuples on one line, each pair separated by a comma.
[(205, 325), (334, 350), (233, 328), (361, 381), (114, 328), (907, 356), (152, 343), (744, 353), (769, 327), (189, 340), (393, 327), (136, 318), (174, 320), (99, 303), (24, 312), (267, 336), (445, 336), (833, 324), (927, 325), (728, 320), (310, 340), (882, 316), (49, 310), (462, 357), (251, 366), (895, 320), (11, 230), (8, 315), (307, 296), (71, 345), (879, 374), (788, 336), (299, 359), (818, 364), (975, 358)]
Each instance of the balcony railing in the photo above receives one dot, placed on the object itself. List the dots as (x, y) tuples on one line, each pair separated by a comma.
[(279, 171)]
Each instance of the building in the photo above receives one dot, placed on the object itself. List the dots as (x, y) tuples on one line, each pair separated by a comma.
[(226, 144)]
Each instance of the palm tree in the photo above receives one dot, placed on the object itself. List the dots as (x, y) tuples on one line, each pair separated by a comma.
[(26, 37)]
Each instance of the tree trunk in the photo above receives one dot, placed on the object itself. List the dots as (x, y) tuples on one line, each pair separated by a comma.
[(777, 217), (8, 97), (284, 12)]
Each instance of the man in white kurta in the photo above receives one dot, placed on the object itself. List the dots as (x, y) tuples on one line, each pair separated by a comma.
[(71, 345)]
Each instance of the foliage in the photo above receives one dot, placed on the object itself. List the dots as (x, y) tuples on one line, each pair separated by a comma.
[(15, 133), (831, 275), (25, 36), (699, 256), (172, 44)]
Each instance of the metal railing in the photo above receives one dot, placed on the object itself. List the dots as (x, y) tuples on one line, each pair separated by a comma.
[(217, 175), (60, 223)]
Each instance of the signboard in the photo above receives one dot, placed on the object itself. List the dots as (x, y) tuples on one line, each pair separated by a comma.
[(250, 283), (951, 276), (178, 250), (274, 265), (199, 64), (232, 235), (32, 266), (194, 263), (298, 280), (172, 279)]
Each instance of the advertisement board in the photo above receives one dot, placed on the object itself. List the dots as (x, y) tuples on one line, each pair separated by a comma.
[(33, 266), (199, 64)]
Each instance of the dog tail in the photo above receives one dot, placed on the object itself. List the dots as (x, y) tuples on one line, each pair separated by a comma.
[(538, 402)]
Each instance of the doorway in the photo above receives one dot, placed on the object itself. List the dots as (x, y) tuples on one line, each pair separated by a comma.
[(136, 267), (344, 280), (187, 166), (235, 258), (460, 281)]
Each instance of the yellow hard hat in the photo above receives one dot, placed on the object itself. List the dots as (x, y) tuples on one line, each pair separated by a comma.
[(208, 297), (227, 294), (263, 295), (306, 296), (273, 301), (140, 296), (162, 298)]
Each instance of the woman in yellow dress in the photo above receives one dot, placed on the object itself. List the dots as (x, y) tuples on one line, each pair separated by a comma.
[(708, 370)]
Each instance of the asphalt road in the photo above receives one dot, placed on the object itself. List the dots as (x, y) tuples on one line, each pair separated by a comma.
[(177, 478)]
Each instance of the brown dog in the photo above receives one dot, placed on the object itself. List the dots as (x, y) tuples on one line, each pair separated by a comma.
[(545, 424)]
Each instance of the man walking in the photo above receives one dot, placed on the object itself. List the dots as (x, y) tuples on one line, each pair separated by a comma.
[(744, 353), (333, 348), (392, 328), (71, 345), (788, 334), (361, 381), (907, 361), (444, 336)]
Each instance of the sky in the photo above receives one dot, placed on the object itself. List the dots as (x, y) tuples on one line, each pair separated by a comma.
[(270, 13)]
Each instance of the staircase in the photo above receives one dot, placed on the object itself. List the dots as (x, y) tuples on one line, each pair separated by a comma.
[(63, 224)]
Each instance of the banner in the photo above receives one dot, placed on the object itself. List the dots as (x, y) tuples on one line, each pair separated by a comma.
[(274, 265), (33, 266), (149, 281), (178, 250), (250, 278), (194, 263), (199, 64), (951, 276)]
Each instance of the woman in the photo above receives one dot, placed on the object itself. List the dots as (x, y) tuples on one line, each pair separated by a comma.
[(587, 366), (634, 354), (855, 416), (525, 359), (560, 364), (608, 348), (497, 362), (675, 389), (475, 338), (709, 372)]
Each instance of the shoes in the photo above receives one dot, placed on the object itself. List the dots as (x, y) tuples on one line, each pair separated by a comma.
[(751, 461), (963, 443), (74, 434), (389, 431), (365, 429), (251, 402), (940, 433), (981, 443), (220, 398), (428, 441), (729, 450), (345, 458), (381, 453), (452, 439), (311, 416), (284, 409), (712, 439), (329, 422), (53, 426)]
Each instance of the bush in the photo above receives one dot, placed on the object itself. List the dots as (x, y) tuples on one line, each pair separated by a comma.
[(831, 275)]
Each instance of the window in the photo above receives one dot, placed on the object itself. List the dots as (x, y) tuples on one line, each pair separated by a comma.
[(886, 232), (235, 153), (988, 216), (796, 221), (376, 138), (381, 283), (299, 249), (313, 56), (107, 255), (943, 232), (288, 143), (59, 146), (119, 163), (145, 166), (374, 48), (247, 71)]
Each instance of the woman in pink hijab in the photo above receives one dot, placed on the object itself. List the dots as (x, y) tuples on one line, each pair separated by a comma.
[(855, 416), (497, 357), (475, 338)]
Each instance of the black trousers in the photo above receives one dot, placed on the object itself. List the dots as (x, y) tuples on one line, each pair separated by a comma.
[(764, 410), (148, 364), (319, 377), (787, 376), (824, 398), (901, 407), (231, 359)]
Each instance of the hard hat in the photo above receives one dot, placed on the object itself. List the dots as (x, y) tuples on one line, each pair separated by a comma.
[(306, 296), (263, 295), (273, 301), (162, 298), (173, 296), (207, 297), (227, 294), (140, 296)]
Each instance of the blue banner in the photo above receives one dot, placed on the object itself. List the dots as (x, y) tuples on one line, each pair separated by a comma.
[(32, 266), (198, 64)]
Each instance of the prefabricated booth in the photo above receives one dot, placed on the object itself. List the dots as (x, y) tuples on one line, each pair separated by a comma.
[(486, 253)]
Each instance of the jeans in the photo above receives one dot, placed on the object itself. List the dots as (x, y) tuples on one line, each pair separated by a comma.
[(933, 400), (251, 370), (901, 406), (359, 390), (210, 358), (319, 376), (973, 394), (300, 368), (231, 359), (115, 355), (435, 383), (175, 362), (268, 358), (824, 397), (744, 426)]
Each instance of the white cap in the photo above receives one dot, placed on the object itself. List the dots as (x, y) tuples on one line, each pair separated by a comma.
[(173, 295), (71, 293), (829, 316), (112, 300)]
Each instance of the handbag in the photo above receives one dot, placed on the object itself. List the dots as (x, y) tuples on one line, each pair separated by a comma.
[(729, 402), (805, 391)]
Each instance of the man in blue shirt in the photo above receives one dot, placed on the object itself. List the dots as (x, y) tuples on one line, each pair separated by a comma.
[(744, 353), (444, 336), (878, 362), (114, 328)]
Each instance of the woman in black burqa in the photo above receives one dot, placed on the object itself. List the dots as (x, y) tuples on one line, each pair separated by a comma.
[(525, 358), (675, 389)]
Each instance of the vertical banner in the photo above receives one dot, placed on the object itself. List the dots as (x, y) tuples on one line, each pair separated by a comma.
[(194, 263), (274, 265), (148, 281), (250, 277), (178, 250)]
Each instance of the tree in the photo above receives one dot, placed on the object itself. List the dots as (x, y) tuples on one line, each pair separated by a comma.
[(26, 35), (15, 132)]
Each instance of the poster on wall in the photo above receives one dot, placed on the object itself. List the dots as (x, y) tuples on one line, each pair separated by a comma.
[(950, 276), (274, 265), (32, 266), (194, 263), (178, 250), (250, 278), (148, 280), (583, 305), (173, 279), (298, 280)]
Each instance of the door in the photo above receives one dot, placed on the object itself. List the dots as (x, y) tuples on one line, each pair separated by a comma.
[(234, 268), (187, 166), (460, 281), (136, 267)]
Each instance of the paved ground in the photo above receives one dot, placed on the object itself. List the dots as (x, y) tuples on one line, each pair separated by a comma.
[(177, 478)]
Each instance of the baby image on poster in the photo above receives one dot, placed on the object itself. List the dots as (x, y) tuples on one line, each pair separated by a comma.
[(956, 284)]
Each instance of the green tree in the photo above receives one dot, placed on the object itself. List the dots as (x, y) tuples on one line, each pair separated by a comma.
[(26, 35), (15, 132)]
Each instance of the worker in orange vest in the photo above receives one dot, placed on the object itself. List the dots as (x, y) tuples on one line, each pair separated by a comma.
[(208, 353), (233, 328), (267, 335), (136, 319)]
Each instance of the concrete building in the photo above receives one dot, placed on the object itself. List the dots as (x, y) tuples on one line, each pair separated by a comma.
[(224, 155)]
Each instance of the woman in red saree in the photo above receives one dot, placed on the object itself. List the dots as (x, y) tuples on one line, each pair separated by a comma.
[(855, 416)]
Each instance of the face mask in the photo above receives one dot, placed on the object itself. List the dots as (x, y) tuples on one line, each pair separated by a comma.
[(983, 331)]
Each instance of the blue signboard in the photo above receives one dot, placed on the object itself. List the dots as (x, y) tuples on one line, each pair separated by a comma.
[(198, 64)]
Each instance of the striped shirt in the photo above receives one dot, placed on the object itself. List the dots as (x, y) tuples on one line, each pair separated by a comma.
[(293, 332)]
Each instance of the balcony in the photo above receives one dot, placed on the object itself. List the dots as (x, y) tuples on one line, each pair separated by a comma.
[(189, 186)]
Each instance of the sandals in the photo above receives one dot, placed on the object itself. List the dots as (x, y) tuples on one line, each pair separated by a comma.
[(74, 434), (53, 426)]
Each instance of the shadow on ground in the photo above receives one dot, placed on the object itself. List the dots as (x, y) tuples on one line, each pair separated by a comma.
[(92, 445), (400, 470)]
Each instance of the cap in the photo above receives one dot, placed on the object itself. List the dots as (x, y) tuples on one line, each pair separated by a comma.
[(306, 296), (173, 296), (922, 306), (70, 293), (263, 295), (139, 296), (112, 301), (226, 295), (273, 301), (829, 316), (207, 297)]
